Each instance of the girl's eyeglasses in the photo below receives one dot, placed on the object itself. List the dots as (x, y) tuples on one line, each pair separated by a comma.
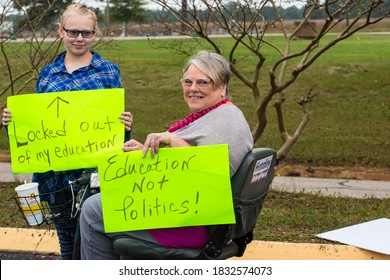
[(74, 33)]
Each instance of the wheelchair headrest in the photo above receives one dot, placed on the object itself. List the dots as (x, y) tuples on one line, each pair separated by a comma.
[(255, 173)]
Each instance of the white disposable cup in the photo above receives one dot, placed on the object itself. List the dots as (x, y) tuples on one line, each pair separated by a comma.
[(30, 203)]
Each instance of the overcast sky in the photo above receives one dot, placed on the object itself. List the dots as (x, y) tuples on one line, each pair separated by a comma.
[(150, 5)]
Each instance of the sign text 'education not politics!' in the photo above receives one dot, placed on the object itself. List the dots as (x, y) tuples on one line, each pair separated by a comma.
[(178, 187)]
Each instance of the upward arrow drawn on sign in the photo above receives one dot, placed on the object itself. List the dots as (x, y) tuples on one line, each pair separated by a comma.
[(58, 99)]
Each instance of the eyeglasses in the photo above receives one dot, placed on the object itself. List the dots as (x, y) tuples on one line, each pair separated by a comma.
[(74, 33), (200, 83)]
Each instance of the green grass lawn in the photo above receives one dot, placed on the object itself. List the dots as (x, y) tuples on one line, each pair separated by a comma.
[(349, 119)]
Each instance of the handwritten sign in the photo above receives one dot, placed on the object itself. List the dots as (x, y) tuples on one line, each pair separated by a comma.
[(64, 130), (178, 187)]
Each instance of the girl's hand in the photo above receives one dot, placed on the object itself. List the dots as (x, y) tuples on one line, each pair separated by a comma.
[(6, 117), (127, 119)]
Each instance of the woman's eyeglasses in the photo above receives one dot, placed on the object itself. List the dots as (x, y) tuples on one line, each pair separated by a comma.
[(74, 33), (200, 83)]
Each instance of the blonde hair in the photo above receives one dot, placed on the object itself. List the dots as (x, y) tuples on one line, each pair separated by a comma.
[(78, 10)]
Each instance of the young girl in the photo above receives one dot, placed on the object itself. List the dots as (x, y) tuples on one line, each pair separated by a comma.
[(77, 68)]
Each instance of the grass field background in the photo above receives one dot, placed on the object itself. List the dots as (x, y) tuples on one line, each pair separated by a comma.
[(349, 119)]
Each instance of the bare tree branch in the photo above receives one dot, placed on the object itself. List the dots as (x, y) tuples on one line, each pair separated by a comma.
[(247, 23)]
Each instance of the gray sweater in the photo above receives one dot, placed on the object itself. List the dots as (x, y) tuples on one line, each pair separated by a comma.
[(223, 125)]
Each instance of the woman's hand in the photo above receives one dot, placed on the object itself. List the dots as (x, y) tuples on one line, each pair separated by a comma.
[(154, 140), (127, 119), (6, 117)]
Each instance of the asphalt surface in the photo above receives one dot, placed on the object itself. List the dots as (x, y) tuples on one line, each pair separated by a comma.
[(7, 255)]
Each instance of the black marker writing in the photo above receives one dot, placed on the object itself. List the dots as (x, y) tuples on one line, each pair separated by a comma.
[(120, 166), (137, 208)]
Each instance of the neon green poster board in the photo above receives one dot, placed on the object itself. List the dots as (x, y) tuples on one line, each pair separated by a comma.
[(64, 130), (179, 187)]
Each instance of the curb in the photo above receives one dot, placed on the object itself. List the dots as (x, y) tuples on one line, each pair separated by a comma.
[(29, 240), (45, 241)]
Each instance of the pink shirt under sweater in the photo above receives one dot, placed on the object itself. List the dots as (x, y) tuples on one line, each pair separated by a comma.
[(184, 237)]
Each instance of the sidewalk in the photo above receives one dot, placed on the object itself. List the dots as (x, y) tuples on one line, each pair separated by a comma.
[(6, 174), (336, 187)]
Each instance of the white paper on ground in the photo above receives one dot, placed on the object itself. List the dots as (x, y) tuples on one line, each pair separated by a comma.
[(373, 235)]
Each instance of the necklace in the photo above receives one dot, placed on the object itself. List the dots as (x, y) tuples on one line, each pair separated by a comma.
[(194, 116)]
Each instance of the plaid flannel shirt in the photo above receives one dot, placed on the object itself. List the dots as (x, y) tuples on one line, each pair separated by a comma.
[(55, 78)]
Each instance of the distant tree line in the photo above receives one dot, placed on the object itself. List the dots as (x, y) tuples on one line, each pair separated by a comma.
[(133, 11), (268, 13)]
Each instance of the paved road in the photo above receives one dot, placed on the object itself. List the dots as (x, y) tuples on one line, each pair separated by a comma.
[(6, 255)]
